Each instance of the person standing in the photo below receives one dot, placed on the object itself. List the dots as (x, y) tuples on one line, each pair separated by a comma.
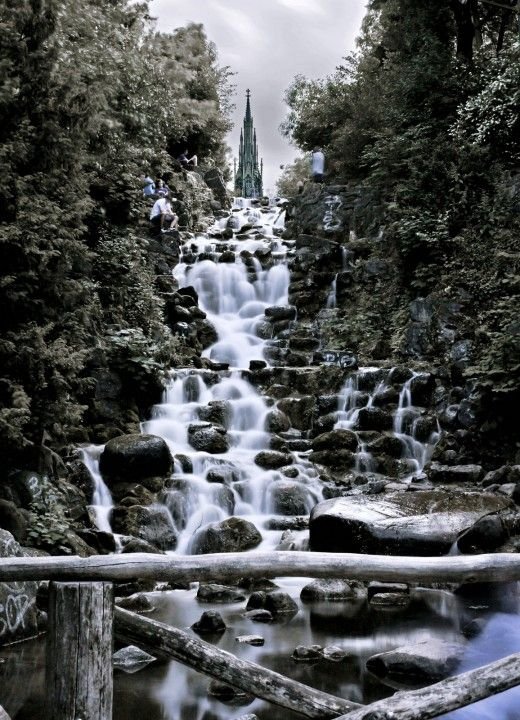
[(317, 165)]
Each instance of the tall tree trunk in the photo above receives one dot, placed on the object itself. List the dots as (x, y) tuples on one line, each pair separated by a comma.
[(465, 28)]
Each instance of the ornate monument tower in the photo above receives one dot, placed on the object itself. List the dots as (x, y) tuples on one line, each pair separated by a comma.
[(248, 177)]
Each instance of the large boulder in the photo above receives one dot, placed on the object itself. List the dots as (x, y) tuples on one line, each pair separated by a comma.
[(272, 459), (208, 438), (18, 613), (289, 498), (414, 665), (454, 473), (419, 523), (134, 457), (152, 523), (230, 535), (336, 440)]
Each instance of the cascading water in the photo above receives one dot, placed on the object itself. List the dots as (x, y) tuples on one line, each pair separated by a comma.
[(102, 502), (415, 452)]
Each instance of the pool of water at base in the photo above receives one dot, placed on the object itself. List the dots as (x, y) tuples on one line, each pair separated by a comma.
[(169, 691)]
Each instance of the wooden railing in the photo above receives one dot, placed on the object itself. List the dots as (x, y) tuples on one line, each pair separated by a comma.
[(82, 621)]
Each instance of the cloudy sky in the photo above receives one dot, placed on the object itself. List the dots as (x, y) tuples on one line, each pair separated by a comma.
[(267, 44)]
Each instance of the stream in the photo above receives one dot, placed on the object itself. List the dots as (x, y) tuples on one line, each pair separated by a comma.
[(237, 280)]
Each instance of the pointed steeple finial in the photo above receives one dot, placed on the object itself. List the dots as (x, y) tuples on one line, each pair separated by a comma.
[(248, 105)]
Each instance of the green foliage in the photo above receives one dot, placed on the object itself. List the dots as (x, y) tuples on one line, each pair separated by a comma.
[(297, 172), (91, 96), (426, 116)]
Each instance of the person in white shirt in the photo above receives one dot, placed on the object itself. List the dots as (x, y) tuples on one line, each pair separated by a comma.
[(317, 165), (162, 216)]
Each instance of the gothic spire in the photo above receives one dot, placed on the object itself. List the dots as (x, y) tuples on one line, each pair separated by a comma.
[(248, 178)]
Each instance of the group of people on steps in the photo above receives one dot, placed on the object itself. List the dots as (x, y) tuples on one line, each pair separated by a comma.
[(162, 216)]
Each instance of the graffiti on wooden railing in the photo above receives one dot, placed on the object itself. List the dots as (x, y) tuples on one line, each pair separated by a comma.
[(13, 612)]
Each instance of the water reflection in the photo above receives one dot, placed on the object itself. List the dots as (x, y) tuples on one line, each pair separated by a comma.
[(168, 691)]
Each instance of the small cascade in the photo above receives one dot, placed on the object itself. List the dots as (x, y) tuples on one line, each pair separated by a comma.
[(331, 298), (102, 502), (362, 390), (415, 452)]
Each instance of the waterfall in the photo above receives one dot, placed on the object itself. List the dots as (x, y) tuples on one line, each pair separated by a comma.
[(102, 502)]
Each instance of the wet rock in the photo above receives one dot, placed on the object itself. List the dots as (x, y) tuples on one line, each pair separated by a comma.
[(333, 653), (336, 440), (222, 594), (254, 584), (386, 445), (300, 411), (276, 421), (332, 591), (289, 523), (130, 659), (324, 424), (102, 542), (135, 545), (282, 312), (125, 493), (399, 374), (210, 623), (416, 665), (302, 653), (485, 536), (255, 640), (272, 460), (225, 474), (13, 520), (289, 498), (217, 412), (231, 535), (133, 457), (208, 438), (438, 473), (374, 418), (138, 603), (336, 459), (152, 524), (277, 603), (422, 387), (228, 694), (185, 463), (375, 587), (389, 600), (206, 333), (177, 503), (420, 523), (259, 615)]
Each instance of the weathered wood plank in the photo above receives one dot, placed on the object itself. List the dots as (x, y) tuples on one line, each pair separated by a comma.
[(445, 696), (168, 642), (79, 651), (493, 567)]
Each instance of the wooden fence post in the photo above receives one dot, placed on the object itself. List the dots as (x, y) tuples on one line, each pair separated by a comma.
[(79, 651)]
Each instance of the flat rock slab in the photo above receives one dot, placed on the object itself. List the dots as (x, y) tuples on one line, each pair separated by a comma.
[(422, 523)]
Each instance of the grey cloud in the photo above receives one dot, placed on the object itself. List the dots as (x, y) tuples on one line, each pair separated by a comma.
[(267, 44)]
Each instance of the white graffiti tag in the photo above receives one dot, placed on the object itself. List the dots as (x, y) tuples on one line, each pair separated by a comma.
[(12, 613), (331, 219)]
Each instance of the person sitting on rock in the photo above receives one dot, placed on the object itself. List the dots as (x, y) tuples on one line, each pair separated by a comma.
[(148, 186), (162, 216), (161, 189), (186, 162)]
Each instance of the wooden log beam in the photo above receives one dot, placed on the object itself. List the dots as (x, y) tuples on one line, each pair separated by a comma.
[(168, 642), (79, 651), (445, 696), (494, 567)]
